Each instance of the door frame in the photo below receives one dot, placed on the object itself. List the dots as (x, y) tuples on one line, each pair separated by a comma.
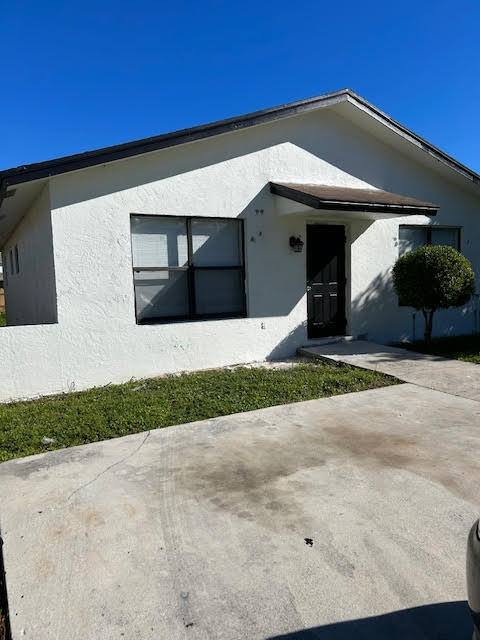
[(341, 327)]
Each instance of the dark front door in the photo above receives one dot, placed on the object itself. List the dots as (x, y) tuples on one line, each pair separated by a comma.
[(325, 280)]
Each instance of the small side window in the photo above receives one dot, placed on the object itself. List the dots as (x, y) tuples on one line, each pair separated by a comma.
[(412, 237), (11, 262), (17, 264)]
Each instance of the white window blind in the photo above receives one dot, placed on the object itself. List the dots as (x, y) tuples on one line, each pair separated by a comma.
[(159, 241)]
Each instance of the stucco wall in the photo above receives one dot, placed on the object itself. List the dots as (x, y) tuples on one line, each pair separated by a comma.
[(30, 295), (97, 340)]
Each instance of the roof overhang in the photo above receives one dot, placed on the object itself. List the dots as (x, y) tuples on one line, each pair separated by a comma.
[(18, 184), (16, 202), (369, 203), (345, 98)]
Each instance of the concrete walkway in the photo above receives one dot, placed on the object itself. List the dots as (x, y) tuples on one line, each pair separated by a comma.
[(337, 518), (434, 372)]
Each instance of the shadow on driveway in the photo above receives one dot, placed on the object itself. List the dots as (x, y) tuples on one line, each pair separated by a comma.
[(442, 621)]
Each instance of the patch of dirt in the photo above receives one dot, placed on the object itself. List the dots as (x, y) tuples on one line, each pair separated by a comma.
[(5, 633), (3, 627)]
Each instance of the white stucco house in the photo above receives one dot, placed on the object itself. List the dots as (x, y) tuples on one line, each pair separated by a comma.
[(236, 241)]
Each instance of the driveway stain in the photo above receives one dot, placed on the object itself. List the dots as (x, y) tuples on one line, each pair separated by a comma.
[(436, 461), (251, 480), (260, 480)]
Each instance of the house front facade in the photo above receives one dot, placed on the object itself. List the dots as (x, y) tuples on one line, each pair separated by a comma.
[(230, 243)]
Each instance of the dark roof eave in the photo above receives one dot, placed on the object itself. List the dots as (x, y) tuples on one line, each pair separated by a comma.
[(373, 206), (303, 194), (36, 171), (27, 173)]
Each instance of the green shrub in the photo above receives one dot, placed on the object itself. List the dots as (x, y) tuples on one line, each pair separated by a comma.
[(432, 278)]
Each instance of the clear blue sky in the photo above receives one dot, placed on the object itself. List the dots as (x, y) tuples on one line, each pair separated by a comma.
[(82, 75)]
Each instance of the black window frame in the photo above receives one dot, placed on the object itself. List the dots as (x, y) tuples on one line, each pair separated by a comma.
[(190, 269), (429, 228)]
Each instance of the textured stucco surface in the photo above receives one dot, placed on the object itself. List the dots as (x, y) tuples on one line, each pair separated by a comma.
[(97, 341), (198, 531)]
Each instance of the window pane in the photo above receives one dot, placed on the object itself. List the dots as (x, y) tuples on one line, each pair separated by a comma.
[(219, 291), (216, 243), (159, 294), (447, 237), (159, 241), (411, 238)]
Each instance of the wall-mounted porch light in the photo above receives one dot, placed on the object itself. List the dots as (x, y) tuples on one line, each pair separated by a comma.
[(296, 244)]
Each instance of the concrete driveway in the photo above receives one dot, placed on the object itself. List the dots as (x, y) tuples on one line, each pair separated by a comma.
[(337, 518)]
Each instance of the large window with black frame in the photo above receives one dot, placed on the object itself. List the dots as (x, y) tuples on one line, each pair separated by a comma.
[(187, 268)]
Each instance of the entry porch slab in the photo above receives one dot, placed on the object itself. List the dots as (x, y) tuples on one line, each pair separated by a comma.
[(434, 372)]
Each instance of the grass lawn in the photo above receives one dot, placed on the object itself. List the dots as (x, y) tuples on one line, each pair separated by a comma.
[(457, 347), (117, 410), (3, 323)]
